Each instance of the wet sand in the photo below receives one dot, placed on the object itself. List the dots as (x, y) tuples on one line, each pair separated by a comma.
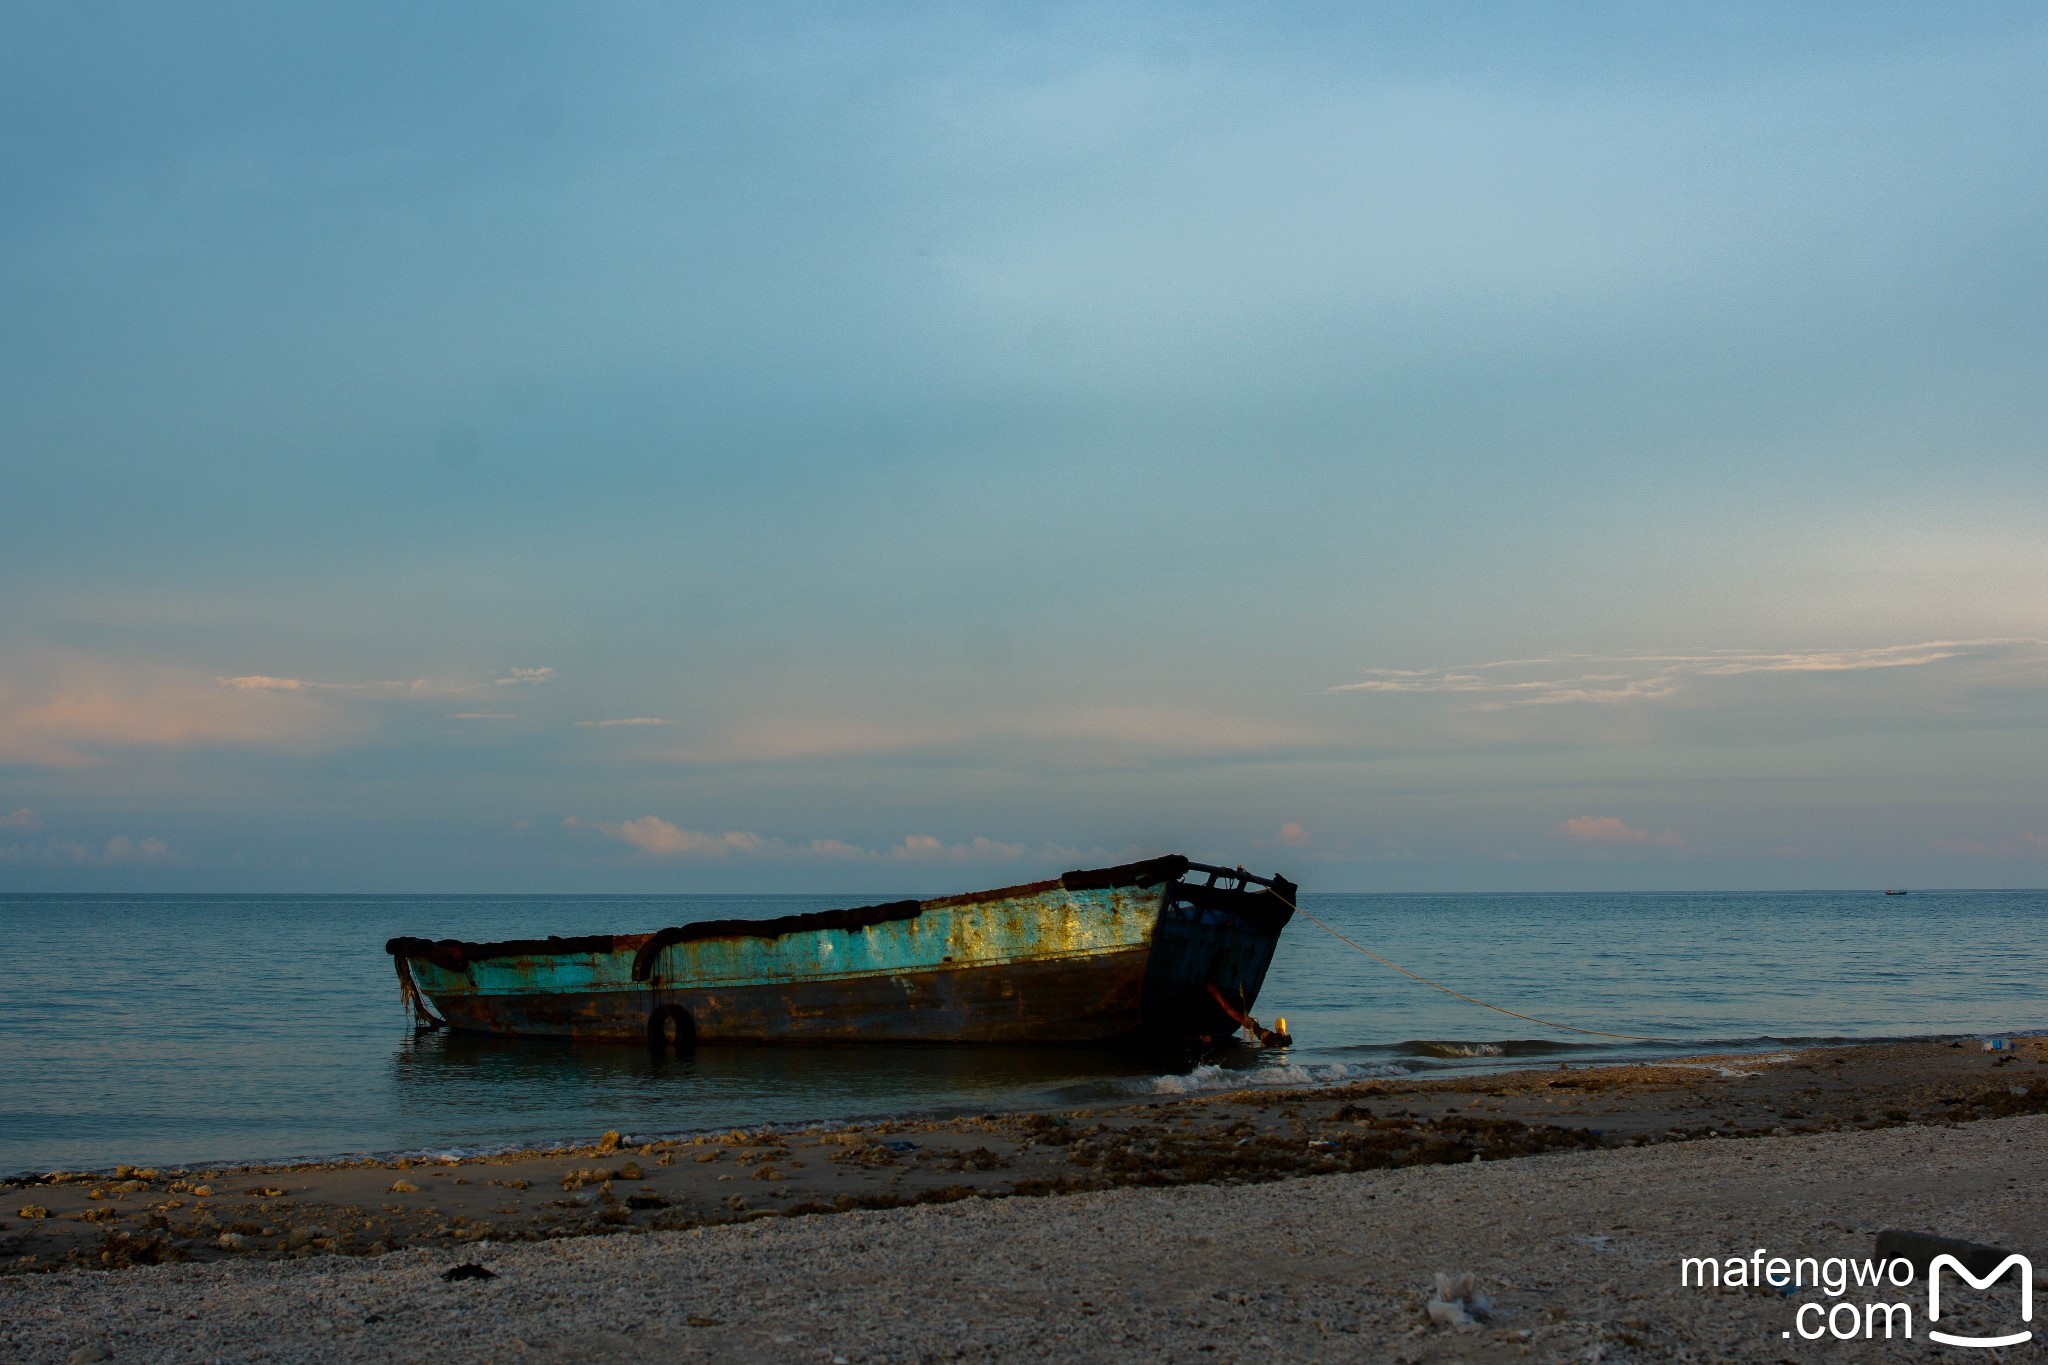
[(111, 1221)]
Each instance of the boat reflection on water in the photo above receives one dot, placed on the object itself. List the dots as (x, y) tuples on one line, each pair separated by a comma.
[(499, 1090)]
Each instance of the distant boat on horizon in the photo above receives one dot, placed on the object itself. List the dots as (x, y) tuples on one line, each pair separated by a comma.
[(1899, 892)]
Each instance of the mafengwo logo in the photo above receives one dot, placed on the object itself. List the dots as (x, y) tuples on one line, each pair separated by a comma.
[(1846, 1297), (2026, 1269)]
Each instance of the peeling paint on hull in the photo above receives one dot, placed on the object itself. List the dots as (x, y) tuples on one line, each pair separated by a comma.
[(1092, 957)]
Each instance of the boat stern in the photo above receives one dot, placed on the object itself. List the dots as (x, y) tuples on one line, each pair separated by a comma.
[(1218, 928)]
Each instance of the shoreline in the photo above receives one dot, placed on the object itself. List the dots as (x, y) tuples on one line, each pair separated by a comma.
[(370, 1206), (1475, 1070), (1578, 1251)]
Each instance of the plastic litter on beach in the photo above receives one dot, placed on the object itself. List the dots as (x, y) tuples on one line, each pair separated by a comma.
[(1998, 1045), (1458, 1302)]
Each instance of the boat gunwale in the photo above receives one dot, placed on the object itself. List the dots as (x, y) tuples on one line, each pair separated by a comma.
[(816, 978), (455, 955)]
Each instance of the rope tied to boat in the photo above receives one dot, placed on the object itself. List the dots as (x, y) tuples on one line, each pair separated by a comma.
[(1460, 995)]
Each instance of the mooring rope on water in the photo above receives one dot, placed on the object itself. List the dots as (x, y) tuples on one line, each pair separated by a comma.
[(1436, 985)]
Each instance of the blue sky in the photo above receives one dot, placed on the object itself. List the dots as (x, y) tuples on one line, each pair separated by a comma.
[(517, 447)]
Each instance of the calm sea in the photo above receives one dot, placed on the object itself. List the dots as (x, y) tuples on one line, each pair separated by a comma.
[(168, 1029)]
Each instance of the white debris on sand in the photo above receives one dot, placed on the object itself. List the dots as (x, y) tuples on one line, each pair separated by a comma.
[(1323, 1268), (1458, 1302)]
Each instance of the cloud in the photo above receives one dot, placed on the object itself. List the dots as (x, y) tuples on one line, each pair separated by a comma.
[(415, 687), (64, 709), (2022, 845), (1611, 829), (1109, 736), (122, 849), (256, 682), (923, 848), (117, 850), (834, 849), (259, 682), (1293, 834), (623, 720), (60, 709), (23, 819), (654, 837), (1602, 829), (795, 739), (1624, 678)]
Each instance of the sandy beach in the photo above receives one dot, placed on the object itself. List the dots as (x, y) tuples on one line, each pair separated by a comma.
[(618, 1183), (1303, 1221), (1579, 1253)]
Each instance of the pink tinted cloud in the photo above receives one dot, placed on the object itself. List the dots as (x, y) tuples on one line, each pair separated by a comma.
[(1104, 736), (122, 849), (119, 849), (653, 837), (657, 838), (923, 848), (23, 819), (834, 849), (1613, 830), (1631, 678), (66, 710), (260, 682), (263, 682)]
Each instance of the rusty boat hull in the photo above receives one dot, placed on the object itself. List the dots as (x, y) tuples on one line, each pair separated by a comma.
[(1159, 951)]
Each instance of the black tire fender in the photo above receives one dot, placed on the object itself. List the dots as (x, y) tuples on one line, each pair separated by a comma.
[(670, 1028)]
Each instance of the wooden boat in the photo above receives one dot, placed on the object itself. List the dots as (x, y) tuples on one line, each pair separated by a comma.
[(1160, 951)]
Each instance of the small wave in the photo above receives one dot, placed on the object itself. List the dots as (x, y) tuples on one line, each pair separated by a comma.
[(1209, 1077), (1461, 1049), (1732, 1069), (1476, 1047)]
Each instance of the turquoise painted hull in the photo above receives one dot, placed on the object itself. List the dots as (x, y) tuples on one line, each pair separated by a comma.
[(1141, 951)]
